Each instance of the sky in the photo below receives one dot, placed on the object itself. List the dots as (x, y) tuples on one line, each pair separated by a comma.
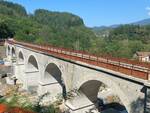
[(95, 12)]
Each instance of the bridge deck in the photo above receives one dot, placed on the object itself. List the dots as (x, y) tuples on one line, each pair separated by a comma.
[(128, 67)]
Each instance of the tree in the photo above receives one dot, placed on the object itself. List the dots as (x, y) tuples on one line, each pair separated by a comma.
[(5, 31)]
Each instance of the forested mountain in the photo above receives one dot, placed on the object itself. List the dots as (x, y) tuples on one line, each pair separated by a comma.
[(68, 30), (8, 8), (57, 28), (104, 30), (57, 19), (125, 41)]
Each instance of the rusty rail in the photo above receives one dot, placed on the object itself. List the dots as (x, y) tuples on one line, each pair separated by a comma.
[(130, 67)]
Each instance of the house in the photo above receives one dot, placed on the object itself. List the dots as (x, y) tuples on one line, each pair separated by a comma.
[(142, 56)]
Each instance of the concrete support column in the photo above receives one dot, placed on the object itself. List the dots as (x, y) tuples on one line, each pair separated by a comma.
[(14, 68), (53, 88), (20, 72), (8, 55), (81, 104), (31, 79), (8, 59)]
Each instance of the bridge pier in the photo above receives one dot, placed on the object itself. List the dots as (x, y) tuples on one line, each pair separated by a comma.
[(8, 59), (81, 104), (31, 79), (8, 53), (20, 72), (52, 82), (53, 88)]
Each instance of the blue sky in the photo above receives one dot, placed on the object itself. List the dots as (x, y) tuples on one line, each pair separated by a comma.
[(95, 12)]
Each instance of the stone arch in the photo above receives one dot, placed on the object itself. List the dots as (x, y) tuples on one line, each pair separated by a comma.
[(32, 63), (32, 73), (92, 92), (90, 86), (53, 75), (13, 52), (20, 57)]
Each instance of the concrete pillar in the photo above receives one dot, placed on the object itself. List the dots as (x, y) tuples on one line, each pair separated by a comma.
[(53, 88), (8, 55), (31, 79), (81, 104), (7, 51), (20, 72)]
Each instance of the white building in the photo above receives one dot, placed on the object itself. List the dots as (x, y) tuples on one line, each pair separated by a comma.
[(143, 56)]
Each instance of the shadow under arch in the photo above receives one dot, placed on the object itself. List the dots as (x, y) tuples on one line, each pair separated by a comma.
[(53, 74), (32, 63), (91, 89), (8, 49), (114, 106), (13, 52), (20, 57)]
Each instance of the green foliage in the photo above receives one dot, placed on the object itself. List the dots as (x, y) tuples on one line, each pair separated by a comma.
[(46, 109), (10, 9), (37, 107), (5, 31), (131, 32), (56, 28), (101, 31), (56, 19), (17, 101), (67, 30), (124, 41), (23, 102)]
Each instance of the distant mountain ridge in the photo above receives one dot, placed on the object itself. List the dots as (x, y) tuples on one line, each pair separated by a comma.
[(104, 30), (141, 22)]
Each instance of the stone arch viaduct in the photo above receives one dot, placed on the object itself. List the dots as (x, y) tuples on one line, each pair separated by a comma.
[(58, 71)]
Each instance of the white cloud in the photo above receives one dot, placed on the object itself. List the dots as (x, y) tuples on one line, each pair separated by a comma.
[(148, 9), (148, 13)]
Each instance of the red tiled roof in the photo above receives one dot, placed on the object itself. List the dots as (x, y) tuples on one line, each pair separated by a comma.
[(143, 54)]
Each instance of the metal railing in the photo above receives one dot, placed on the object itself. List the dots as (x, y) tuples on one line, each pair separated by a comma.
[(129, 67)]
